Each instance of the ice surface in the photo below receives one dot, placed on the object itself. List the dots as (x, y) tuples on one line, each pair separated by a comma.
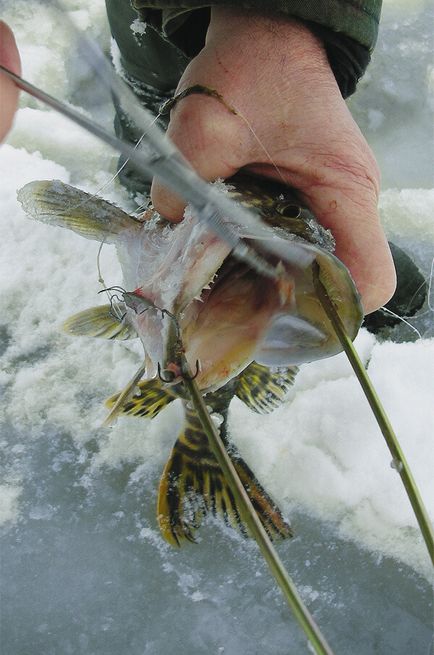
[(391, 104), (84, 568), (9, 494)]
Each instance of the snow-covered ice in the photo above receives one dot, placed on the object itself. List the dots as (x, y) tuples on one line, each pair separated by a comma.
[(84, 568)]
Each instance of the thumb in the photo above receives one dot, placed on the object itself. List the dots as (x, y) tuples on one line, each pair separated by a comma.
[(348, 207), (209, 137)]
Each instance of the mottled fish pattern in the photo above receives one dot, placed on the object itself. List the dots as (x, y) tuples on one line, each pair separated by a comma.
[(192, 483)]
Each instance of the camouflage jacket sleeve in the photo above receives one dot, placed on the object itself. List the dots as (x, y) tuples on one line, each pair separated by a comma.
[(348, 28)]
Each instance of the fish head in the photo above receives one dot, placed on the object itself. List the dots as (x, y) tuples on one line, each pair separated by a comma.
[(202, 301)]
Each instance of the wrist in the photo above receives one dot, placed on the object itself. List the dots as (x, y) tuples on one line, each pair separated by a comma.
[(283, 47)]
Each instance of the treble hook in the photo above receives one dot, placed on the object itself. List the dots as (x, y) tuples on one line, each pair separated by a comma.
[(114, 288), (189, 378), (172, 374), (113, 297)]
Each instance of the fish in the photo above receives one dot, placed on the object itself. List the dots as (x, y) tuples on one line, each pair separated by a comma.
[(243, 331)]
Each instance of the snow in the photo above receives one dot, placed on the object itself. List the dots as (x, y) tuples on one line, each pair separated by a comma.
[(77, 501), (338, 462)]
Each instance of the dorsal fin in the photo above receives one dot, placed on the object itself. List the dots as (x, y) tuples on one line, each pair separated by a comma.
[(57, 203), (152, 396), (100, 322), (192, 485), (263, 390)]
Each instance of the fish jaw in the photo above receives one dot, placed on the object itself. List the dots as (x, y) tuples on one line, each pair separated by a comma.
[(179, 274), (229, 315), (306, 334), (170, 264), (220, 330), (223, 333), (169, 268), (277, 322)]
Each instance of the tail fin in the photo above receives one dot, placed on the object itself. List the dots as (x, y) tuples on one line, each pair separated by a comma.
[(192, 485)]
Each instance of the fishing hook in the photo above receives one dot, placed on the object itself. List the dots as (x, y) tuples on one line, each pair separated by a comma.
[(189, 378), (114, 310), (114, 297), (172, 374), (163, 379), (114, 288)]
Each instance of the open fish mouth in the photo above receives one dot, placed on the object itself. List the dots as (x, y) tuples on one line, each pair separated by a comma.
[(223, 328), (241, 315)]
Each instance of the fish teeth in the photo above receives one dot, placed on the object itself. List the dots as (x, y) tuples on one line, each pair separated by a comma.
[(207, 287)]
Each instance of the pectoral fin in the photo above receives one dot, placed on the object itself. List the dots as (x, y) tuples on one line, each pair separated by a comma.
[(152, 396), (100, 322), (56, 203), (261, 389)]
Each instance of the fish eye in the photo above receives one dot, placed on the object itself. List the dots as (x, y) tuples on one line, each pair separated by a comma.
[(290, 211)]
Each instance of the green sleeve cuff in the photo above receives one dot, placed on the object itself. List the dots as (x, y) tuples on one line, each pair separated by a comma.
[(356, 19)]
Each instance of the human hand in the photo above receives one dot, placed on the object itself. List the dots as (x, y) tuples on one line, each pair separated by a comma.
[(9, 58), (275, 73)]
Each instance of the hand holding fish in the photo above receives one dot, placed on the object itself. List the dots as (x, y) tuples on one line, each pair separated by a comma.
[(296, 127), (10, 58)]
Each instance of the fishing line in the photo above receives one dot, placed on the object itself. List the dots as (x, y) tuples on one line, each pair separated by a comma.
[(262, 146), (114, 176), (104, 186), (430, 286), (114, 309), (111, 179), (98, 264), (199, 89), (139, 210), (399, 461), (119, 170), (402, 319)]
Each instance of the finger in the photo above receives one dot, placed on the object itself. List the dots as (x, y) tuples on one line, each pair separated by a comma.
[(9, 58), (209, 137), (352, 216)]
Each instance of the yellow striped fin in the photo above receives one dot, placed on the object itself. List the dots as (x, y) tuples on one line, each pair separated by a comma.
[(192, 485), (100, 322), (261, 389), (152, 396), (56, 203)]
